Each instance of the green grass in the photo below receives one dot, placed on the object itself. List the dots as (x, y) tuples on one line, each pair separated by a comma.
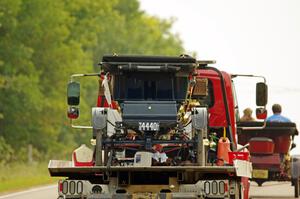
[(18, 177)]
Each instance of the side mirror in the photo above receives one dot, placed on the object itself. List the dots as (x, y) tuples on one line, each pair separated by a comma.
[(73, 93), (73, 112), (261, 113), (261, 94)]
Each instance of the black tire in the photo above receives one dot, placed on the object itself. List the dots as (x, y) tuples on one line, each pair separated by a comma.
[(296, 187), (259, 182)]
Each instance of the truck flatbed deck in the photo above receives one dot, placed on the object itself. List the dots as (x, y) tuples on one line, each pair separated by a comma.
[(65, 168)]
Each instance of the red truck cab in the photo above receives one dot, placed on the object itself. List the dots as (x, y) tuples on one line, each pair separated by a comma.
[(220, 100)]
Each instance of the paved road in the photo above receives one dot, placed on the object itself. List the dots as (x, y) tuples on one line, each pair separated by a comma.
[(47, 192), (270, 190)]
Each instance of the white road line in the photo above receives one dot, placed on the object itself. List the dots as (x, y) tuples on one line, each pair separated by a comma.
[(28, 191)]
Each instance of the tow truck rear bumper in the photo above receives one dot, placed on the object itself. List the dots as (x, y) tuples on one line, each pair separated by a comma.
[(208, 181), (203, 188)]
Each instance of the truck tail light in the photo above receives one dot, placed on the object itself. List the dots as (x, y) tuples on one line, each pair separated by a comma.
[(226, 187), (60, 186), (73, 112), (261, 113)]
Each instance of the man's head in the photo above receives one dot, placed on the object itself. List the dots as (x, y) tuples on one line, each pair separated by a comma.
[(276, 108)]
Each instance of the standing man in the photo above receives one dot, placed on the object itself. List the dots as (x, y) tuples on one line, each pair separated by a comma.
[(277, 117)]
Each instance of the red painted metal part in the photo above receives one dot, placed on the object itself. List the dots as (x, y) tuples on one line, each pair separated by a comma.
[(246, 185), (282, 144), (266, 161), (60, 186), (101, 102), (262, 116), (217, 114), (261, 146), (72, 116), (238, 155)]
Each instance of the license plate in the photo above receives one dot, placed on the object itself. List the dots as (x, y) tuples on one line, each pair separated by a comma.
[(148, 126), (259, 173)]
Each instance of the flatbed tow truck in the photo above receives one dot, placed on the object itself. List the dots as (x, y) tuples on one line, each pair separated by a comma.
[(163, 127)]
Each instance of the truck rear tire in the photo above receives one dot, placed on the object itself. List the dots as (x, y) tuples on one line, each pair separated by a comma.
[(259, 182), (296, 187)]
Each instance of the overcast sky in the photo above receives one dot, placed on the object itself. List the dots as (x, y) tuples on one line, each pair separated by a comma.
[(243, 36)]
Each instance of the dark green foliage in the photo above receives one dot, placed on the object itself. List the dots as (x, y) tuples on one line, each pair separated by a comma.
[(42, 42)]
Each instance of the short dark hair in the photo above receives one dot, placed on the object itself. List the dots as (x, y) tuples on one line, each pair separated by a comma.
[(276, 108)]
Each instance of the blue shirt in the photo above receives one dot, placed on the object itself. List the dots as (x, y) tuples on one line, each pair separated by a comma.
[(278, 118)]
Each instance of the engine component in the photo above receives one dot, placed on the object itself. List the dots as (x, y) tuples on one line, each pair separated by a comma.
[(99, 117), (199, 118), (143, 159), (141, 114), (113, 117)]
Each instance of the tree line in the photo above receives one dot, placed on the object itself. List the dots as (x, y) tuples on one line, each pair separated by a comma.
[(42, 42)]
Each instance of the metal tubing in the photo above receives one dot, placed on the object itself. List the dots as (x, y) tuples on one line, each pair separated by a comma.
[(79, 126), (200, 148), (98, 148), (84, 75)]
